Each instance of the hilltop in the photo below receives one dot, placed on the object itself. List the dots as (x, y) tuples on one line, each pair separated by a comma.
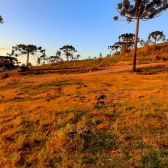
[(96, 119), (146, 54)]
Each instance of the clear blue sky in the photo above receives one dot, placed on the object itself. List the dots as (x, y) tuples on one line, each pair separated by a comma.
[(86, 24)]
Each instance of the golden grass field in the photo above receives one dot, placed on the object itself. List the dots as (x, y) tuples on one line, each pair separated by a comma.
[(97, 119)]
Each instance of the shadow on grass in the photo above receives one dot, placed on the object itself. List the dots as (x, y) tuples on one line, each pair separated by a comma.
[(59, 83), (152, 70)]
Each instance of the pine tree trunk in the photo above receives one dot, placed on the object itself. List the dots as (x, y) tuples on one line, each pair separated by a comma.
[(67, 55), (135, 46), (27, 58)]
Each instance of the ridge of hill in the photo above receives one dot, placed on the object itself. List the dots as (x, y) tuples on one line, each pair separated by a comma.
[(146, 54)]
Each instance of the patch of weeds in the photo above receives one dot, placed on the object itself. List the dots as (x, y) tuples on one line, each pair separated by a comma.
[(77, 117), (96, 143), (27, 126), (99, 107), (156, 159), (59, 83), (59, 123), (62, 132), (26, 123), (85, 117), (88, 160), (115, 125), (71, 110)]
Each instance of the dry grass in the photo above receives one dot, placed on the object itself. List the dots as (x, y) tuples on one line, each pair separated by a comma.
[(109, 120), (14, 76)]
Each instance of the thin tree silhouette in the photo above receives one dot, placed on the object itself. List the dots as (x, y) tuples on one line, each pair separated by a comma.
[(116, 46), (68, 51), (55, 58), (28, 50)]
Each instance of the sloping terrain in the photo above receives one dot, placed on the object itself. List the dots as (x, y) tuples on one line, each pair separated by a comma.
[(146, 54), (96, 119)]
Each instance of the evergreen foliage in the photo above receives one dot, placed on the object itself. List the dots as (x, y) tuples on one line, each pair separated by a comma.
[(156, 36), (8, 62), (128, 40), (55, 58), (34, 51), (68, 51), (1, 20)]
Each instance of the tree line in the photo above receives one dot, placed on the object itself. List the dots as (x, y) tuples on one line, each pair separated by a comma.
[(126, 41), (37, 54), (135, 10)]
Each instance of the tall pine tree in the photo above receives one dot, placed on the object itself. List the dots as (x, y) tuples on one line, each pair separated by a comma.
[(140, 10)]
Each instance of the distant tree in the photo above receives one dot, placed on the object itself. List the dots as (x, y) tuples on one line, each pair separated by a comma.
[(43, 62), (140, 9), (8, 62), (156, 36), (127, 40), (116, 46), (77, 56), (68, 51), (28, 50), (1, 20), (142, 43), (55, 58), (100, 55)]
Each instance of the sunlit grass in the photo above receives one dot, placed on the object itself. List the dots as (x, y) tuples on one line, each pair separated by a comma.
[(119, 120)]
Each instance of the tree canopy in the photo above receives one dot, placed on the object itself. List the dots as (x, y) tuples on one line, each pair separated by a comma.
[(55, 58), (127, 40), (29, 50), (8, 62), (116, 46), (1, 20), (156, 36), (140, 10), (68, 51), (77, 57)]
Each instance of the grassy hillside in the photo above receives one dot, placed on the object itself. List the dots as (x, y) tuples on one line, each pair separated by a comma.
[(144, 55), (85, 120)]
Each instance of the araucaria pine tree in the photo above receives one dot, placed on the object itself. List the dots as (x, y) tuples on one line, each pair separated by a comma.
[(1, 20), (156, 36), (68, 51), (28, 50), (128, 40), (56, 58), (140, 10)]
